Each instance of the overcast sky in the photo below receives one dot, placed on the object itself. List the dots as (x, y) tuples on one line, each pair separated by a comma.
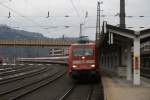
[(36, 11)]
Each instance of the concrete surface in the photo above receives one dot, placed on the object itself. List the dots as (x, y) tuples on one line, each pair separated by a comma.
[(120, 89)]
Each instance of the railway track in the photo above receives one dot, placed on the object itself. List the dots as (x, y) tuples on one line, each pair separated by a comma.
[(21, 83), (22, 75), (8, 68), (67, 93), (31, 87), (14, 71), (48, 83), (82, 92)]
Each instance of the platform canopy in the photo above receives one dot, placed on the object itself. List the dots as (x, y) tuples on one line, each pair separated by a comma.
[(145, 35), (113, 38), (115, 35)]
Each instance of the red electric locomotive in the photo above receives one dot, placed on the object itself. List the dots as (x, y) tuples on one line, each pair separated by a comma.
[(83, 60)]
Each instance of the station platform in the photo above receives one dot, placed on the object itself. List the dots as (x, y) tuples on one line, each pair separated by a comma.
[(116, 88)]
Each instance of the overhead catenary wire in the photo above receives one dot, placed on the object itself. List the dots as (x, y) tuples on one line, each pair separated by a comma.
[(130, 16), (39, 25), (19, 14), (81, 7), (103, 15), (85, 17), (67, 26), (26, 17), (17, 24), (76, 10), (5, 6), (5, 1)]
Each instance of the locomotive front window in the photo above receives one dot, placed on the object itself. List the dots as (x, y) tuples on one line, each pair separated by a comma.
[(83, 52)]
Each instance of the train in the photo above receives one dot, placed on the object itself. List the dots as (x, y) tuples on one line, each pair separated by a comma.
[(83, 60)]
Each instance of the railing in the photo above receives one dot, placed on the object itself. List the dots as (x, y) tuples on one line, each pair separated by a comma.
[(38, 42)]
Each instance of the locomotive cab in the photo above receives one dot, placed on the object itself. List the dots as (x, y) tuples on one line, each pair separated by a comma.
[(83, 60)]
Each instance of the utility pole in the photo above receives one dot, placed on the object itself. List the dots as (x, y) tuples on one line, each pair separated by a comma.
[(98, 30), (80, 35), (122, 14), (63, 36), (98, 22)]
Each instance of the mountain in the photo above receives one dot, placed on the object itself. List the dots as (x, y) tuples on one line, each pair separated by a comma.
[(10, 53), (9, 33)]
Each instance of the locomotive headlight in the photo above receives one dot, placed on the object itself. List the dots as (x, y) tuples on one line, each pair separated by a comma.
[(83, 57), (74, 66), (93, 66)]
